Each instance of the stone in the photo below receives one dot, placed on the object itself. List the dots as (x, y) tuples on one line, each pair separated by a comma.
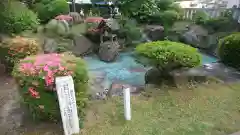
[(154, 32), (76, 17), (112, 24), (185, 76), (116, 89), (98, 85), (60, 27), (81, 45), (196, 36), (108, 51), (153, 76), (50, 45)]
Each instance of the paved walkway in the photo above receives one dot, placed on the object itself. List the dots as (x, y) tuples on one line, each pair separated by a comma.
[(237, 133)]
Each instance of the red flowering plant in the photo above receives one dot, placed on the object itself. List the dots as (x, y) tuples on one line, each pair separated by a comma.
[(36, 75), (17, 48)]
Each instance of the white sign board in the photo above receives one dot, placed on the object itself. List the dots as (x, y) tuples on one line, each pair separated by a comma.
[(67, 104), (127, 106)]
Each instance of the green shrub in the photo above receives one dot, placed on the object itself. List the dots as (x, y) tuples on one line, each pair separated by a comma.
[(17, 18), (129, 30), (17, 48), (229, 50), (169, 17), (216, 24), (47, 10), (200, 17), (167, 55), (35, 76)]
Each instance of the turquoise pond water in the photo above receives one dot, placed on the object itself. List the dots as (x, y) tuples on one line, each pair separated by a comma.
[(126, 69)]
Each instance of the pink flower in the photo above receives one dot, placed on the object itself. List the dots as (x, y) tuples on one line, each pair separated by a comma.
[(61, 68), (33, 92), (45, 68), (49, 80)]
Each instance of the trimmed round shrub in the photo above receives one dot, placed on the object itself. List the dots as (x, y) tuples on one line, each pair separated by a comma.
[(17, 18), (167, 55), (35, 76), (17, 48), (47, 10), (229, 50), (200, 17)]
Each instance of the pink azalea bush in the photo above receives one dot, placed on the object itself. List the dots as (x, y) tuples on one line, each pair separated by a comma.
[(35, 76)]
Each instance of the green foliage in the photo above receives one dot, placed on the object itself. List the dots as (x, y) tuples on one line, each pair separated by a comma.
[(48, 9), (229, 50), (200, 17), (35, 76), (216, 24), (163, 12), (129, 30), (164, 4), (168, 17), (167, 55), (228, 13), (17, 18)]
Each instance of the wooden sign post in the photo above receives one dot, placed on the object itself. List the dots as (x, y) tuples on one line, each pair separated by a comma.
[(67, 104)]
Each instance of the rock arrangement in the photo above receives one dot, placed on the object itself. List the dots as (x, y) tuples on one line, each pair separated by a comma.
[(154, 32), (49, 45), (77, 18), (100, 88), (98, 85), (178, 77), (60, 27), (108, 51), (81, 45)]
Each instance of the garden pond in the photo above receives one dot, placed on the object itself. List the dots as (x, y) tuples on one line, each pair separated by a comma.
[(126, 70)]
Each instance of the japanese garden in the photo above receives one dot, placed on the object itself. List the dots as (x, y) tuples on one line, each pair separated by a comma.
[(181, 66)]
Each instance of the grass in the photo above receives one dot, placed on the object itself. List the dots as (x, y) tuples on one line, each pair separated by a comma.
[(212, 109)]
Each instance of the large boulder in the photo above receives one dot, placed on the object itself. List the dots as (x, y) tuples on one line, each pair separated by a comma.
[(50, 45), (185, 76), (196, 36), (81, 45), (108, 51), (60, 27), (153, 76), (154, 32), (76, 17)]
